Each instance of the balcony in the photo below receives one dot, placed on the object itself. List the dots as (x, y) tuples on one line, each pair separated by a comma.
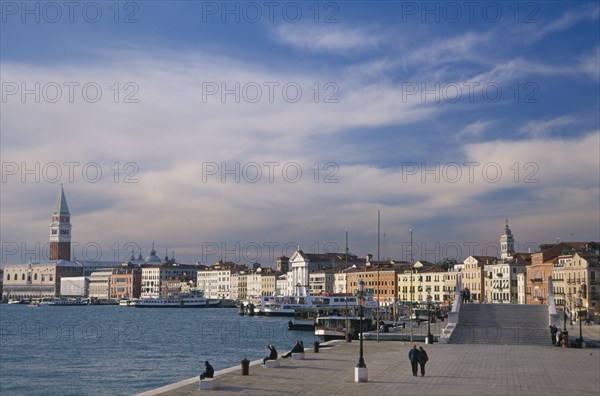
[(537, 280)]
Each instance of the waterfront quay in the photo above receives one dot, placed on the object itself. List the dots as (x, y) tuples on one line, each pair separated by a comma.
[(465, 369)]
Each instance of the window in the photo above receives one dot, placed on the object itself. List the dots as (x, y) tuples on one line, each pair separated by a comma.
[(23, 277), (35, 277), (7, 277)]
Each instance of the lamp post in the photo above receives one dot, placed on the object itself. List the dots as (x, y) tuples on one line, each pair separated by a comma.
[(429, 339), (360, 371), (579, 314)]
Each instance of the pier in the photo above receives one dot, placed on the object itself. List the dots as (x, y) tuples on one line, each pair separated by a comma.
[(464, 369)]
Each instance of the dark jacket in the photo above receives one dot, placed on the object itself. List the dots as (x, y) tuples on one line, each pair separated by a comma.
[(413, 355), (210, 371), (273, 354), (298, 348), (423, 358)]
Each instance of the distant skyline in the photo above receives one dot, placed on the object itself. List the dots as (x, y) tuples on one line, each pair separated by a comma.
[(245, 131)]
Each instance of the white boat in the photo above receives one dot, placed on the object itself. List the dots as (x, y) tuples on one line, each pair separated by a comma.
[(62, 303), (124, 302), (288, 305), (194, 299)]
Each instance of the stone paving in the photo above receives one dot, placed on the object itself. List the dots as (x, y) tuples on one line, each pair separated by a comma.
[(452, 370)]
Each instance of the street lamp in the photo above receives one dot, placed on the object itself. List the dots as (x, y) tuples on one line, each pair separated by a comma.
[(429, 339), (360, 371), (579, 314)]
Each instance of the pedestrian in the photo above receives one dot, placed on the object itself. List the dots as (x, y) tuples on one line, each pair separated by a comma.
[(209, 371), (413, 356), (423, 358), (298, 348), (272, 354), (553, 331)]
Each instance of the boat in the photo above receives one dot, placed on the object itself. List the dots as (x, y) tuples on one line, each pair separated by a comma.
[(34, 304), (194, 299), (62, 303), (336, 327), (304, 320), (21, 301), (288, 305), (125, 302)]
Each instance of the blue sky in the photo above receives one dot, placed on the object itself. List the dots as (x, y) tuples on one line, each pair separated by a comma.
[(446, 117)]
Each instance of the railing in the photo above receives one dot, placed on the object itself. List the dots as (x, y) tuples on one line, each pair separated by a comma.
[(536, 280)]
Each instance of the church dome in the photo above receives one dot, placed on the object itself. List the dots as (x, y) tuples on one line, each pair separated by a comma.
[(152, 258)]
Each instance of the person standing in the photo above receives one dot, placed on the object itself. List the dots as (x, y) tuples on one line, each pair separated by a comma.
[(209, 371), (413, 356), (272, 354), (423, 358), (553, 331)]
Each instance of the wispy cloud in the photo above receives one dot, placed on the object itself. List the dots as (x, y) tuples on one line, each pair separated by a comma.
[(475, 129), (543, 28), (543, 128), (328, 38)]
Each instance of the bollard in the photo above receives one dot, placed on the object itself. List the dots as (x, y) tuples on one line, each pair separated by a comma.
[(245, 367), (316, 344)]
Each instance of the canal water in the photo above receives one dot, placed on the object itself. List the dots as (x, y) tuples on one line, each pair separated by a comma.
[(113, 350)]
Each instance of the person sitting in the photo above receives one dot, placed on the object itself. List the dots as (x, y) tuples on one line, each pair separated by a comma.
[(272, 354), (209, 371), (298, 348)]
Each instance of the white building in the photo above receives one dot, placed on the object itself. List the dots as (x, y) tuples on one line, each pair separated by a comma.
[(75, 286), (99, 287)]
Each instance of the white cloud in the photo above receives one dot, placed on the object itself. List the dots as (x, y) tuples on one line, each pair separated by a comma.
[(328, 38), (540, 129)]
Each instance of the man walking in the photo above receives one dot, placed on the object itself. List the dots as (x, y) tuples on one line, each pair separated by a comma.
[(413, 356)]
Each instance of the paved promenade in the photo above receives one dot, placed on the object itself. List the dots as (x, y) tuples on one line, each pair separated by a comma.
[(452, 370)]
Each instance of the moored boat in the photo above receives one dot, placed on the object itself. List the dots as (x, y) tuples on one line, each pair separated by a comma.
[(193, 299), (336, 327)]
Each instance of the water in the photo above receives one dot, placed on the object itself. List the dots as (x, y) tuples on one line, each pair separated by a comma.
[(112, 350)]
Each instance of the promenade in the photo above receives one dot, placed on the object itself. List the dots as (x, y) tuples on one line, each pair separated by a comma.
[(451, 370)]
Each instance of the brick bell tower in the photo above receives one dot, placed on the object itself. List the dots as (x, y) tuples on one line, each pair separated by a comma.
[(60, 229)]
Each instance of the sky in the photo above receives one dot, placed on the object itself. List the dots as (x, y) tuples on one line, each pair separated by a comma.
[(244, 130)]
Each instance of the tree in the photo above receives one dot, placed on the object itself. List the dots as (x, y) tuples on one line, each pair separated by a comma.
[(446, 264)]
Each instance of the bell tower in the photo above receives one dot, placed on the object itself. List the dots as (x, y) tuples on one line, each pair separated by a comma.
[(507, 243), (60, 229)]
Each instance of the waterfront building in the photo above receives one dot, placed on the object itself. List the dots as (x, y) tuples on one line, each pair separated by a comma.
[(99, 288), (582, 273), (233, 286), (321, 281), (450, 278), (339, 282), (302, 264), (473, 275), (521, 288), (37, 280), (380, 279), (242, 285), (269, 282), (501, 278), (281, 283), (173, 286), (254, 285), (154, 275), (542, 266), (558, 279), (74, 286), (126, 282), (414, 280)]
